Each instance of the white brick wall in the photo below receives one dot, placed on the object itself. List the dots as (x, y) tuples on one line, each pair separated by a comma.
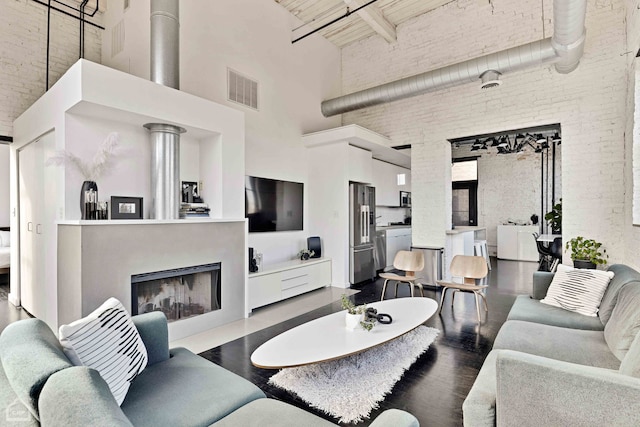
[(590, 104), (23, 47)]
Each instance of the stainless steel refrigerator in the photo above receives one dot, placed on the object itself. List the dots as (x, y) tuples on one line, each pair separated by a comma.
[(362, 232)]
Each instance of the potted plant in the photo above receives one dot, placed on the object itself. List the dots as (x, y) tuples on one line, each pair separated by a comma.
[(554, 218), (354, 314), (305, 254), (586, 253)]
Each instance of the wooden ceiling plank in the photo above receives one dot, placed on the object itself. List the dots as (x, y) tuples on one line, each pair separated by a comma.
[(375, 19)]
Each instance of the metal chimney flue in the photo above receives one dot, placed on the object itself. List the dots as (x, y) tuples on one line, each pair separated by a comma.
[(165, 138)]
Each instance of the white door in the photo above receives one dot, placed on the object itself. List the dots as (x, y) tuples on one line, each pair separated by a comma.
[(38, 294), (30, 184)]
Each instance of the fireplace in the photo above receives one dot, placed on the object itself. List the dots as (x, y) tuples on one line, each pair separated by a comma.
[(179, 293)]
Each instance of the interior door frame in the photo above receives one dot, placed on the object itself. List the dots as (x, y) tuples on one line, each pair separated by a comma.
[(472, 186)]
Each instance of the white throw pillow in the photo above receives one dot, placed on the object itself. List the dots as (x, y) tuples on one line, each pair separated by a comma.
[(5, 239), (107, 341), (578, 290)]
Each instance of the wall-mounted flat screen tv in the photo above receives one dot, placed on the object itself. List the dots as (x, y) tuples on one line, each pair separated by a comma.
[(273, 205)]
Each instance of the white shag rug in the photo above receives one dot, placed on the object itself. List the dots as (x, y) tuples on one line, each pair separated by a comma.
[(350, 388)]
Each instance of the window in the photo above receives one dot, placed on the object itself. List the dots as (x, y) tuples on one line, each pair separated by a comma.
[(465, 170)]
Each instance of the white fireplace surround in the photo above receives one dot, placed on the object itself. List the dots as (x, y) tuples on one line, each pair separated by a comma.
[(69, 267)]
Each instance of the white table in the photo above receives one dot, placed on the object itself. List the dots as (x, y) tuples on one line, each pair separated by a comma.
[(548, 237), (327, 338)]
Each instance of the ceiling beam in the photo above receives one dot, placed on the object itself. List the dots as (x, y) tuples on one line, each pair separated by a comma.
[(376, 20)]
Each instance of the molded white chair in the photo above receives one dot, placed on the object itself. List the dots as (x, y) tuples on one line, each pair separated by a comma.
[(469, 268), (409, 262)]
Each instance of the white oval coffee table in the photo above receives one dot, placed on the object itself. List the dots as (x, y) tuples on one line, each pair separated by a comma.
[(327, 338)]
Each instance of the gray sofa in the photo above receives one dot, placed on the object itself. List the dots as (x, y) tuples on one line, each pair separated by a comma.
[(549, 366), (39, 386)]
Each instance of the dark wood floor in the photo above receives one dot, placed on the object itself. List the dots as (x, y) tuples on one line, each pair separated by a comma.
[(434, 388), (8, 313)]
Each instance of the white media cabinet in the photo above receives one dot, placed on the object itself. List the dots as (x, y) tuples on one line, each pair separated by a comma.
[(285, 280)]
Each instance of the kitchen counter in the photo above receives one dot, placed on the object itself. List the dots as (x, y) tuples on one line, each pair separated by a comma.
[(391, 227), (464, 229)]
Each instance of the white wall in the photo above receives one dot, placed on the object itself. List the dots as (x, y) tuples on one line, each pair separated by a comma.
[(589, 104), (23, 46), (4, 185), (252, 37)]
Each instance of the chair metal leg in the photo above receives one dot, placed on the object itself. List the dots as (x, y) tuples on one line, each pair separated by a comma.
[(396, 294), (453, 296), (486, 306), (444, 291), (411, 286), (421, 289), (477, 305), (384, 288)]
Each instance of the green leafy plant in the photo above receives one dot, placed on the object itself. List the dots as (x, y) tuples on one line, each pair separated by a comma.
[(351, 308), (587, 250), (554, 217)]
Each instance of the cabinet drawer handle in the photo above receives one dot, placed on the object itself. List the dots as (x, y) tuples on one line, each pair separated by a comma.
[(29, 226), (39, 229)]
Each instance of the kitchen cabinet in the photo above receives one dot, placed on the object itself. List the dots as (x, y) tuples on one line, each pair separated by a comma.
[(385, 179), (398, 239), (516, 242), (359, 165)]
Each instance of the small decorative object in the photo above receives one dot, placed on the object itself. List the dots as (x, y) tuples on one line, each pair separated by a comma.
[(103, 210), (305, 254), (126, 207), (90, 171), (534, 219), (554, 218), (89, 210), (355, 314), (586, 253), (405, 199), (190, 192)]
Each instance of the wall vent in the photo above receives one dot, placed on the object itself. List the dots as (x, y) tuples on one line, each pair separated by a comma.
[(242, 89), (117, 38)]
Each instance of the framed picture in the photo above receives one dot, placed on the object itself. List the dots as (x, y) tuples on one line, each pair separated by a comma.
[(126, 207), (190, 193)]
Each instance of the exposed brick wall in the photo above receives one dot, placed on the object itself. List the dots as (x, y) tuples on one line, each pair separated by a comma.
[(590, 103), (23, 47)]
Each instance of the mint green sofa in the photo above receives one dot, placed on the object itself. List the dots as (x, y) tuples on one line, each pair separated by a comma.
[(552, 367), (39, 386)]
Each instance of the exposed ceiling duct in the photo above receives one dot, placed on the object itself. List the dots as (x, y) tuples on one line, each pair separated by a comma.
[(565, 49), (165, 138)]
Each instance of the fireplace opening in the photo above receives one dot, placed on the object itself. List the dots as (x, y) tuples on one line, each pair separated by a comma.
[(179, 293)]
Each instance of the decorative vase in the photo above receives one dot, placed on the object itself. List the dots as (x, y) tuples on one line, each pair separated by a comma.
[(581, 263), (86, 186), (352, 320)]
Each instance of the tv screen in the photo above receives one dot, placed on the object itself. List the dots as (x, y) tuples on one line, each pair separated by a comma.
[(273, 205)]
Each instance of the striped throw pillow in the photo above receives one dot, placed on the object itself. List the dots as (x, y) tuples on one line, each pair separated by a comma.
[(578, 290), (107, 341)]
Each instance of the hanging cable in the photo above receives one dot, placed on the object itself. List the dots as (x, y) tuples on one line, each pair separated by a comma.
[(349, 12), (64, 12), (81, 43), (48, 43)]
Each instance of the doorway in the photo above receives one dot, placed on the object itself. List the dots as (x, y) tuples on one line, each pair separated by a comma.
[(464, 203)]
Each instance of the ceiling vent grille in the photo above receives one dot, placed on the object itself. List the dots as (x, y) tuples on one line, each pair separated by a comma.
[(242, 89), (117, 38)]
